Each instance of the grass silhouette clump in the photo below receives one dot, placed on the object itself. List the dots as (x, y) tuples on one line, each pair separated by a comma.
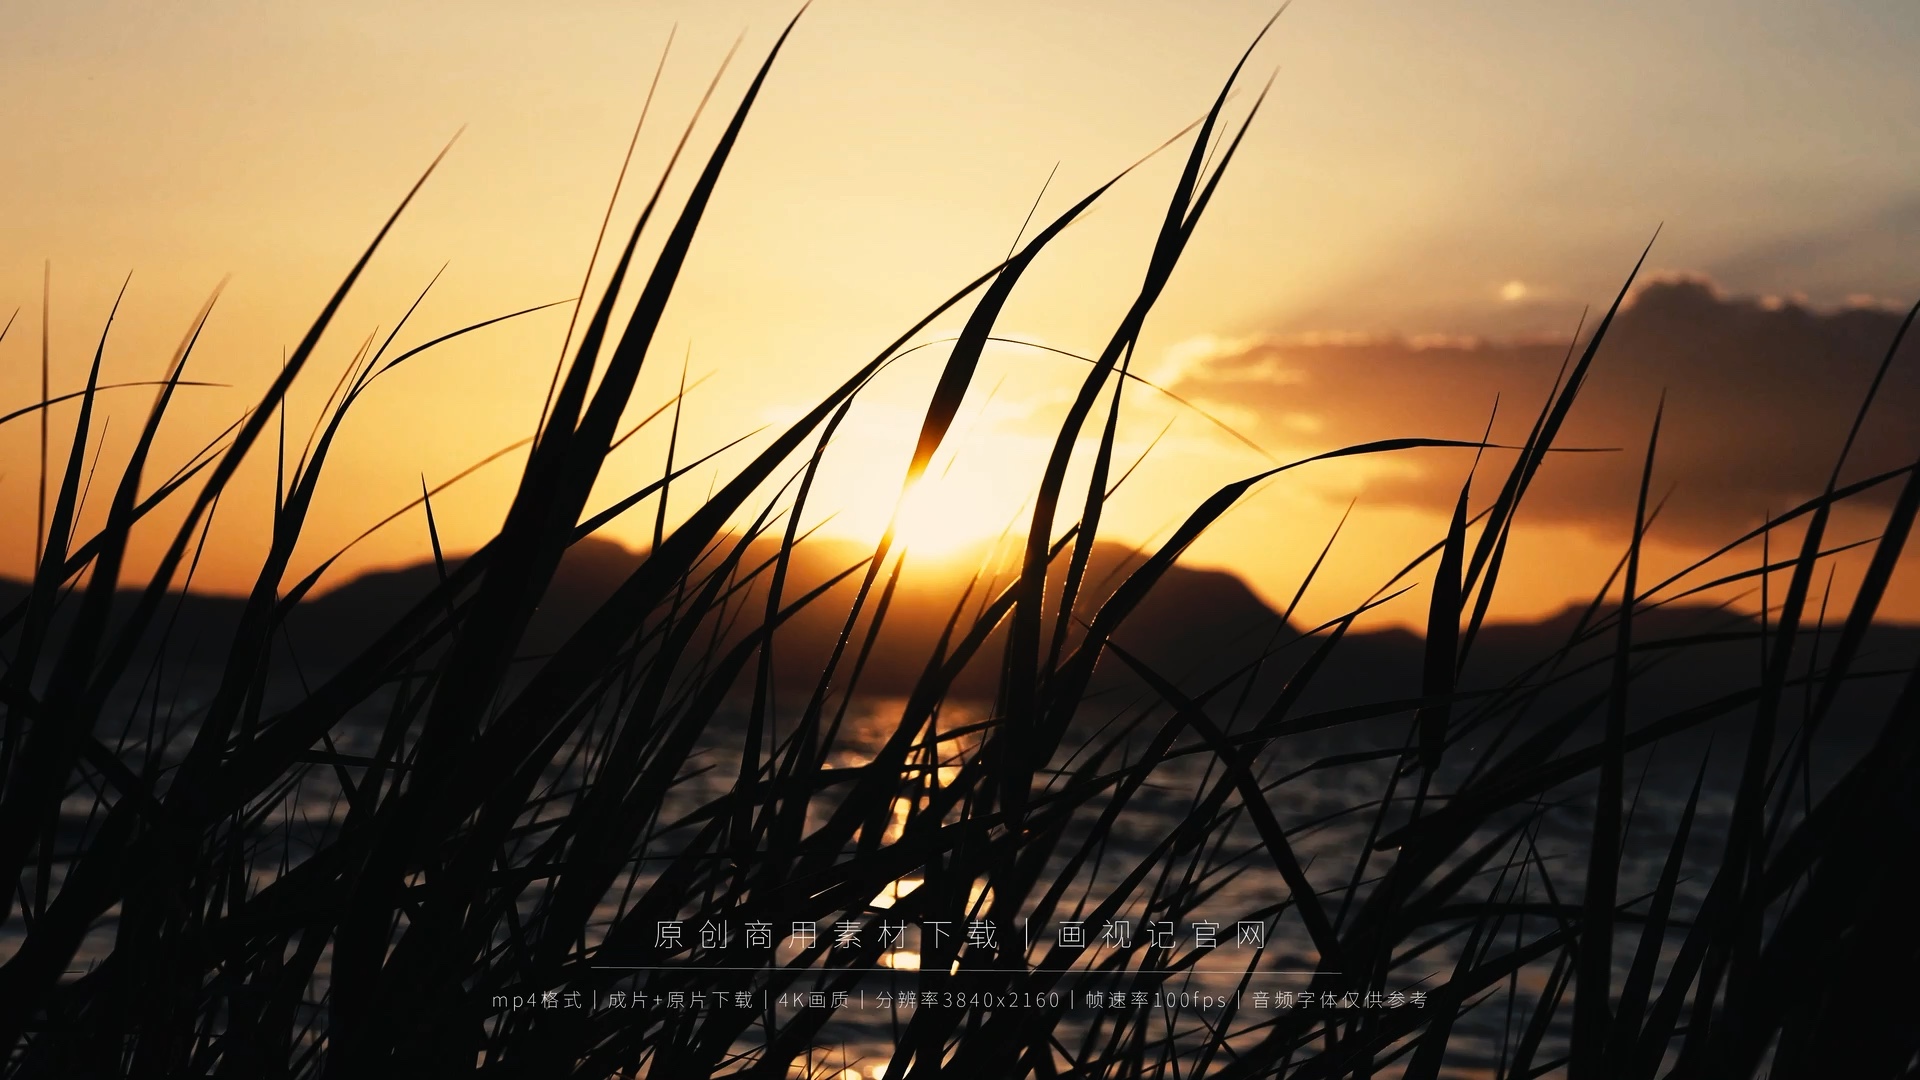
[(387, 871)]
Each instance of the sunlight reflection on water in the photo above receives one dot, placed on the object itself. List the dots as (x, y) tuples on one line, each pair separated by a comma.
[(1319, 812)]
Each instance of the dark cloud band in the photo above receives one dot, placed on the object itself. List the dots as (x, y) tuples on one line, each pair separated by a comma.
[(1760, 396)]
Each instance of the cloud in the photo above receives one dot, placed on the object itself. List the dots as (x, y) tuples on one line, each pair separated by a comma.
[(1759, 398), (1874, 245)]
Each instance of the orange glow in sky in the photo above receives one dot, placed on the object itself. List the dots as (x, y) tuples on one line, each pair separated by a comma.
[(1480, 175)]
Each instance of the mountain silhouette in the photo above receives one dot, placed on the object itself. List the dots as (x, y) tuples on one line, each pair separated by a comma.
[(1197, 628)]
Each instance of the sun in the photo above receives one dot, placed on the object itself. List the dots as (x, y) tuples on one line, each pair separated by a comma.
[(978, 482), (945, 516)]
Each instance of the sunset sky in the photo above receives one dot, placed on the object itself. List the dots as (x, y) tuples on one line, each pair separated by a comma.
[(1430, 196)]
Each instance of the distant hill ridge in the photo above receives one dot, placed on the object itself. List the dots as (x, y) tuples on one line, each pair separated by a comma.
[(1196, 627)]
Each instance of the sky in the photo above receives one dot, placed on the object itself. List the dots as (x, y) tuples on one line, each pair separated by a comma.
[(1427, 201)]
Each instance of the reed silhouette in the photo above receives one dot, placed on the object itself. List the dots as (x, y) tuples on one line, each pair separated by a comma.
[(226, 862)]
